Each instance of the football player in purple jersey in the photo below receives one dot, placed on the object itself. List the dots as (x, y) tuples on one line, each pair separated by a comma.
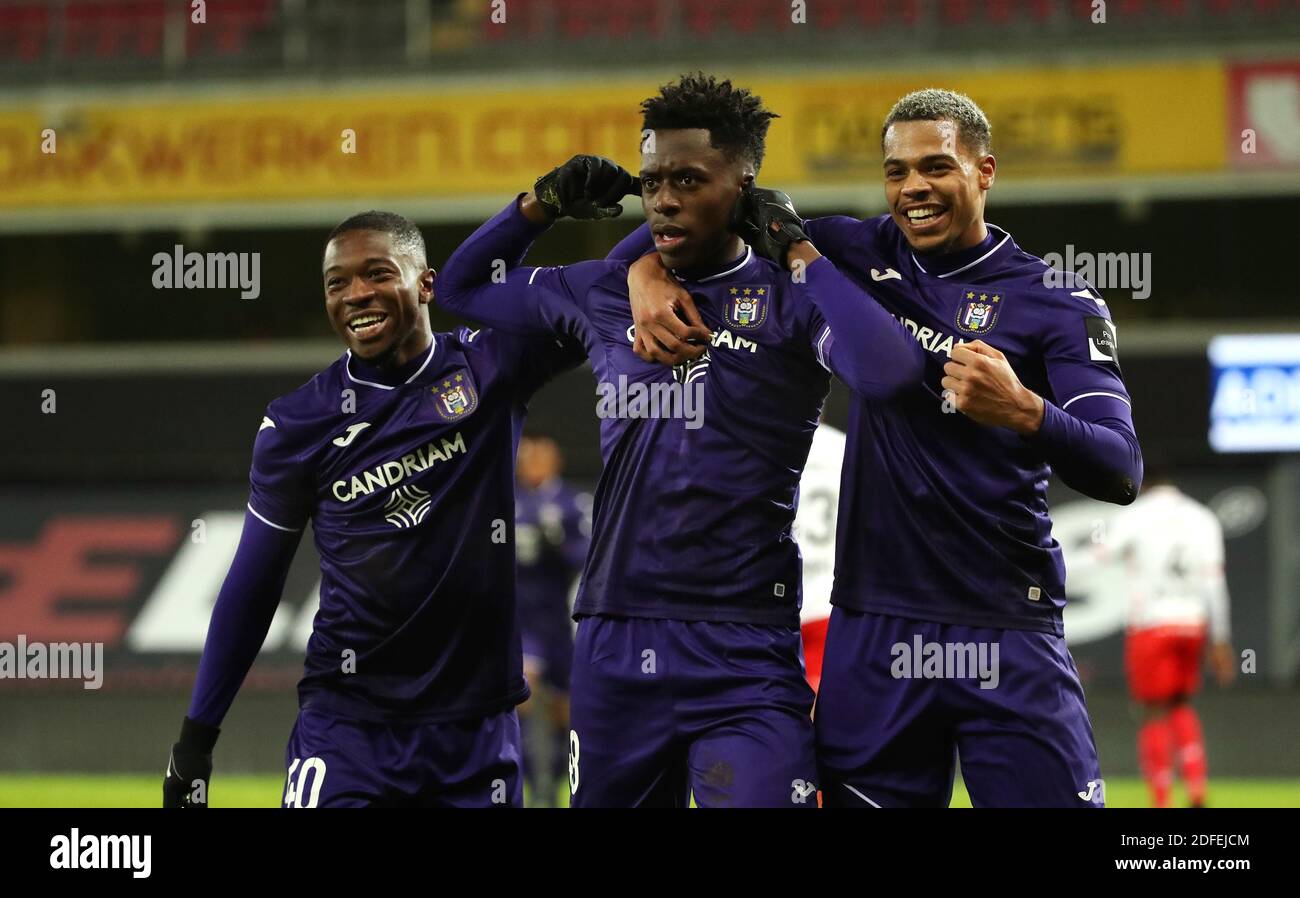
[(401, 455), (687, 675), (552, 533), (946, 637)]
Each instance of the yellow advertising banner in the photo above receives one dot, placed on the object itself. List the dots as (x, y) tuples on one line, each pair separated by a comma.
[(471, 141)]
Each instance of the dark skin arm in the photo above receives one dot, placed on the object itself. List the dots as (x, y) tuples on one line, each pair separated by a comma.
[(659, 305), (657, 301), (533, 211), (1223, 662)]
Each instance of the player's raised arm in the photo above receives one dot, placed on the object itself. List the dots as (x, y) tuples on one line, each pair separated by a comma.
[(669, 329), (483, 279), (635, 245), (860, 342), (277, 512)]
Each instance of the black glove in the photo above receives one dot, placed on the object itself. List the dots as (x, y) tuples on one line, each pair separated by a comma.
[(759, 208), (190, 766), (585, 187)]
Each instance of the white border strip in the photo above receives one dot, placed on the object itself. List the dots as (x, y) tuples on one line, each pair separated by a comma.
[(1096, 393), (271, 523), (860, 795)]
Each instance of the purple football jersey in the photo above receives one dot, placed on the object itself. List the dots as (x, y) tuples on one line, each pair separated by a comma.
[(552, 532), (408, 480), (945, 519), (694, 509)]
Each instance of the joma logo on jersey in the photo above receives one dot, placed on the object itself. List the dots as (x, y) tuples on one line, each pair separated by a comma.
[(979, 312), (454, 398), (747, 306), (390, 473)]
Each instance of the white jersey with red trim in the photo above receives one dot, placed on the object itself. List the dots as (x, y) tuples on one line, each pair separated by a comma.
[(814, 523), (1172, 549)]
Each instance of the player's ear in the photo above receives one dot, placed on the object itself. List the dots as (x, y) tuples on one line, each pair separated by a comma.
[(427, 277), (987, 168)]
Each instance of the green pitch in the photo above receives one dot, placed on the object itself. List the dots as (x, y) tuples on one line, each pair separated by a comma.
[(135, 791)]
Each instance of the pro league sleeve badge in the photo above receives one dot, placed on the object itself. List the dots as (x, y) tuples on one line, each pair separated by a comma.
[(1102, 344)]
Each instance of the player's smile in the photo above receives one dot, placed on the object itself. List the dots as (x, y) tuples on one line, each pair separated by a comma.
[(367, 326), (935, 186), (926, 218), (373, 297)]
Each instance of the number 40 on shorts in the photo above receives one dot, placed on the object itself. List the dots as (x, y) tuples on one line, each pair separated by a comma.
[(311, 775)]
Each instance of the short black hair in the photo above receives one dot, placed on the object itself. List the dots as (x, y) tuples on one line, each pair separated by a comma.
[(406, 235), (735, 118), (935, 105)]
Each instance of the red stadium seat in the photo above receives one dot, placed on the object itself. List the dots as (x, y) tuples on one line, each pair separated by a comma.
[(828, 16), (743, 17), (1041, 10), (24, 30), (228, 26), (956, 12), (699, 18), (523, 22), (1000, 11)]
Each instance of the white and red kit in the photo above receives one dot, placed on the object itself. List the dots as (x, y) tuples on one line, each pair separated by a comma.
[(1172, 547), (814, 528)]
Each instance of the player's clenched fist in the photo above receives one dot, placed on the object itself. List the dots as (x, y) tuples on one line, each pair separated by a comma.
[(585, 187), (983, 387), (668, 329), (190, 766)]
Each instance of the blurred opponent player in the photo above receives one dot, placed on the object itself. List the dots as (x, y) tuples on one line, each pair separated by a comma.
[(401, 454), (814, 528), (1172, 550), (552, 532), (944, 543), (687, 677)]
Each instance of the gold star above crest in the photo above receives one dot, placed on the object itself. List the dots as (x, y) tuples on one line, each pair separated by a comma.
[(460, 377), (970, 294), (734, 291), (446, 383), (762, 290), (996, 298), (748, 291), (983, 296)]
